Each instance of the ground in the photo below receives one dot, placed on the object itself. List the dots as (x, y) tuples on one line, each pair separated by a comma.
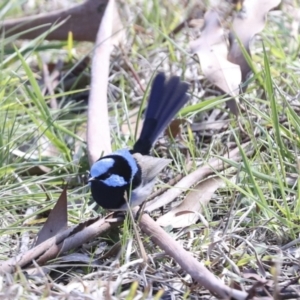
[(246, 227)]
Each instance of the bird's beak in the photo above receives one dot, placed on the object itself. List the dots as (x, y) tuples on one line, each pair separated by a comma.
[(91, 179)]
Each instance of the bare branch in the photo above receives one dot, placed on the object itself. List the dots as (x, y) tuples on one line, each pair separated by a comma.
[(62, 242), (98, 132), (187, 262)]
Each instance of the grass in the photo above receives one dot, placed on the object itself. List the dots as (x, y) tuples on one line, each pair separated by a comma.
[(249, 221)]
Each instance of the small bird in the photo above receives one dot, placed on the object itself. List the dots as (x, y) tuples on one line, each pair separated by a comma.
[(127, 177)]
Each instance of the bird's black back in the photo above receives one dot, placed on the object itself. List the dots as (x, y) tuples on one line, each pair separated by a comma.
[(166, 99)]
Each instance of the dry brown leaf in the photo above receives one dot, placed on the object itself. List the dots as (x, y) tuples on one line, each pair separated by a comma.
[(174, 129), (212, 50), (248, 22), (202, 172), (36, 170), (57, 220), (193, 203)]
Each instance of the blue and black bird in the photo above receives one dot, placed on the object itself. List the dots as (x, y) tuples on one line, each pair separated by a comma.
[(126, 177)]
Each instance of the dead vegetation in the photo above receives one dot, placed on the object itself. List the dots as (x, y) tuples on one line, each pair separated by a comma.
[(228, 205)]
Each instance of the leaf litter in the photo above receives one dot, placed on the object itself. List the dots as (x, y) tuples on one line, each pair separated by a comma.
[(57, 220), (130, 274), (188, 212), (211, 48)]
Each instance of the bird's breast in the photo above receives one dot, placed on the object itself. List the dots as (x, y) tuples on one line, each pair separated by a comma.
[(108, 197)]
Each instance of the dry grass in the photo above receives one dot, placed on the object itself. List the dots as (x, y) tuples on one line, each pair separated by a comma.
[(246, 227)]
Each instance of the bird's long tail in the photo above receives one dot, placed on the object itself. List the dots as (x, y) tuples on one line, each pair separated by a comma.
[(166, 99)]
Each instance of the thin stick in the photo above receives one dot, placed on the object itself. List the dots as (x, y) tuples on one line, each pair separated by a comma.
[(187, 262)]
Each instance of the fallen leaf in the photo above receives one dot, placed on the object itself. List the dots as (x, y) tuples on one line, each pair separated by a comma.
[(174, 129), (213, 165), (36, 170), (212, 51), (188, 212), (57, 220), (248, 22)]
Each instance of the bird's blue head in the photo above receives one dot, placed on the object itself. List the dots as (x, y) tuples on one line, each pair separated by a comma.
[(115, 170)]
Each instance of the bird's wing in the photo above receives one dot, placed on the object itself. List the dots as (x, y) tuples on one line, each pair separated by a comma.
[(150, 166)]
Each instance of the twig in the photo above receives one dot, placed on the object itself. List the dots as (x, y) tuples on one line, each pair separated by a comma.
[(64, 241), (25, 240), (50, 85), (187, 262), (98, 132), (82, 20), (132, 70)]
